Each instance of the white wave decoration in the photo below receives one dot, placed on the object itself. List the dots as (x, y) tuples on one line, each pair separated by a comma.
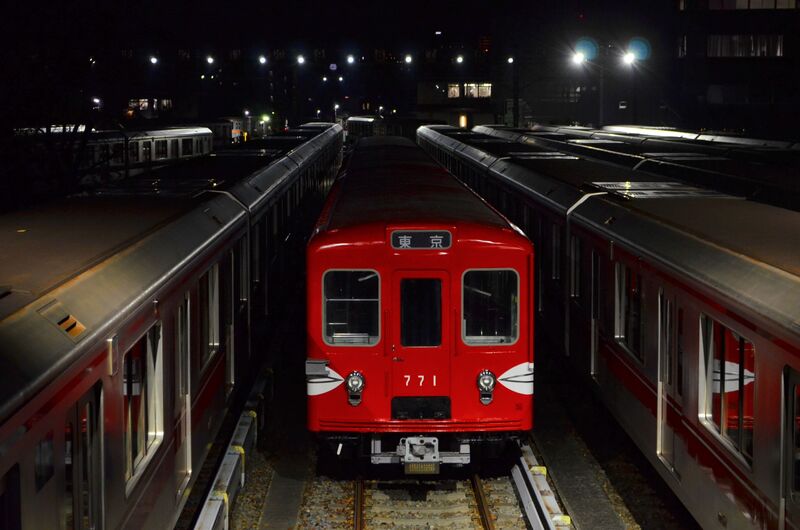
[(731, 377), (319, 385), (519, 379)]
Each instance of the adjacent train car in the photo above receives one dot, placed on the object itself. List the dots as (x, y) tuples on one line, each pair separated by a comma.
[(420, 344), (126, 318), (756, 169), (678, 304), (137, 150)]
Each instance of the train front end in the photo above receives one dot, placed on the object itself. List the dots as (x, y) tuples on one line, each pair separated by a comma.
[(420, 343)]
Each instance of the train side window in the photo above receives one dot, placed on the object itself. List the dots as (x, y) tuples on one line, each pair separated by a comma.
[(182, 350), (628, 305), (679, 351), (104, 156), (117, 153), (728, 387), (490, 307), (83, 462), (255, 254), (143, 403), (556, 240), (174, 149), (794, 447), (420, 312), (241, 256), (351, 307), (209, 315), (133, 152), (43, 466), (186, 147), (10, 505), (147, 151), (575, 267)]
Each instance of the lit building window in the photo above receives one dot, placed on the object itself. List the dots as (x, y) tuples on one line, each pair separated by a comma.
[(716, 5), (477, 90), (453, 90), (745, 46)]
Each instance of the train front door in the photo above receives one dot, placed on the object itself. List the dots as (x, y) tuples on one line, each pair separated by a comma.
[(420, 345)]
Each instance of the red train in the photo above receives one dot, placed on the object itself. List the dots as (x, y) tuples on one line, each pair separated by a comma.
[(678, 305), (420, 338)]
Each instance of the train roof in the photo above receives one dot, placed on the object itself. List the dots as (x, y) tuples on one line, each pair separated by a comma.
[(171, 132), (94, 257), (761, 170), (391, 180), (45, 246), (741, 248)]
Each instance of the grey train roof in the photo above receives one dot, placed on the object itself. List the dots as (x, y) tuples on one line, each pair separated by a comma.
[(97, 257), (742, 250)]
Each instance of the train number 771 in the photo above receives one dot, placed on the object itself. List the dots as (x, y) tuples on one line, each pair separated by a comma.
[(420, 380)]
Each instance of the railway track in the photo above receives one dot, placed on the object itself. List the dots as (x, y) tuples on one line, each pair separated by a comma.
[(519, 500)]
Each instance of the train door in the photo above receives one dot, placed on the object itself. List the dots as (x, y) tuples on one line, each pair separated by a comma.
[(83, 509), (667, 368), (420, 344), (790, 473)]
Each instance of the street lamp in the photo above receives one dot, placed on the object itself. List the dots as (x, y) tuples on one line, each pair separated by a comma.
[(588, 52), (153, 59), (351, 59), (510, 60), (318, 111), (341, 79), (324, 78), (408, 59), (301, 59), (210, 60), (629, 58), (262, 59), (460, 59), (246, 112)]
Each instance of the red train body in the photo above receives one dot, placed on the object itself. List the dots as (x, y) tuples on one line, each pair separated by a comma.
[(419, 319)]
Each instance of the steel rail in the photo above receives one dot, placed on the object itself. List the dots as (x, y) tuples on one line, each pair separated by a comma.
[(483, 504), (358, 504)]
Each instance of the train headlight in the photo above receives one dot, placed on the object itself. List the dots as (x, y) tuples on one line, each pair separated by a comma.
[(486, 384), (355, 386)]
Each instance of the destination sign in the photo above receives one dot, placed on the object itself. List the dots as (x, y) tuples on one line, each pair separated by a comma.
[(420, 239)]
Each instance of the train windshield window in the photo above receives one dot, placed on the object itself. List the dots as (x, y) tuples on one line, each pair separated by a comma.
[(351, 307), (420, 312), (729, 385), (491, 307), (143, 390)]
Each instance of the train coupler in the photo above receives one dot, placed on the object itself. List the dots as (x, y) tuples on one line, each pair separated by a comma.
[(419, 455)]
